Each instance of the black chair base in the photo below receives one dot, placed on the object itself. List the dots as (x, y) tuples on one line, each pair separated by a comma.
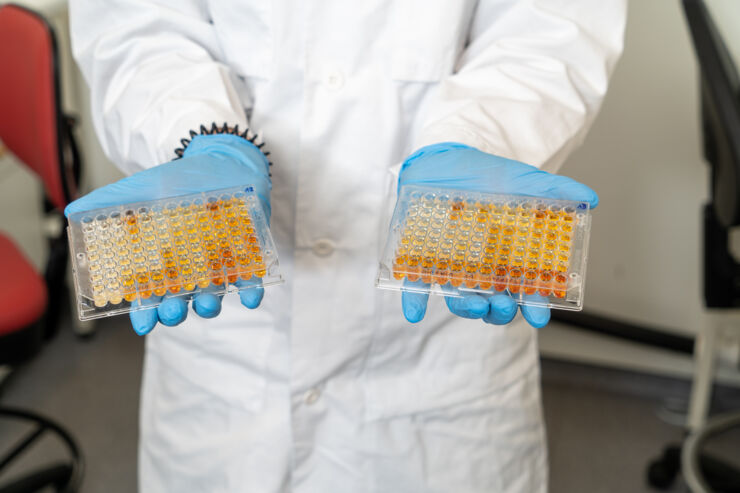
[(21, 345), (57, 476), (64, 478), (662, 472)]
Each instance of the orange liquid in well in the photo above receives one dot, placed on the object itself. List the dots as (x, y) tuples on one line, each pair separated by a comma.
[(172, 249)]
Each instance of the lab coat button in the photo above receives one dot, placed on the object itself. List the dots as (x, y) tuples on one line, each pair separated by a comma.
[(323, 247), (334, 80), (312, 396)]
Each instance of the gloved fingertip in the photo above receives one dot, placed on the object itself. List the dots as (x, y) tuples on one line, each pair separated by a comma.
[(468, 306), (172, 311), (414, 306), (207, 305), (594, 202), (536, 316), (573, 190), (251, 297), (143, 321), (503, 309), (589, 196)]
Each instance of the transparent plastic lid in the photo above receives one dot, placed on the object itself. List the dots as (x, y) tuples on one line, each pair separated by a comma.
[(129, 257), (448, 242)]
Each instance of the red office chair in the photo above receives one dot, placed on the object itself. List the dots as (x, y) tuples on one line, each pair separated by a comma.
[(34, 128)]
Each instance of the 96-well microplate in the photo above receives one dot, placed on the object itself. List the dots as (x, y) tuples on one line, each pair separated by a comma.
[(448, 242), (129, 257)]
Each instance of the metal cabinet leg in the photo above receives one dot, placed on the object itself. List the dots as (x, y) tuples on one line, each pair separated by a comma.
[(701, 390)]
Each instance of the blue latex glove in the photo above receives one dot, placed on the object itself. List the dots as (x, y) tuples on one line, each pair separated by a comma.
[(453, 165), (210, 162)]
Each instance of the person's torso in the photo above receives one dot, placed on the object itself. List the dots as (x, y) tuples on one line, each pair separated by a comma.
[(339, 90)]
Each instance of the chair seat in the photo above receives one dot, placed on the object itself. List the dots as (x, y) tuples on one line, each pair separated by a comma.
[(23, 292)]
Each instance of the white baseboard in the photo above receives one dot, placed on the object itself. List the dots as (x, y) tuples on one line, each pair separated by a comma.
[(559, 341)]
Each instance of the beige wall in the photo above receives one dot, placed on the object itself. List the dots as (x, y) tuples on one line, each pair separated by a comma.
[(643, 158)]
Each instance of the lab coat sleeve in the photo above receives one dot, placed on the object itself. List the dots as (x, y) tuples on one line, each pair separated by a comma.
[(153, 74), (530, 80)]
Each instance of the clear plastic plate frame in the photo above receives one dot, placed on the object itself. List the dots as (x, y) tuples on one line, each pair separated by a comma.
[(448, 242), (132, 256)]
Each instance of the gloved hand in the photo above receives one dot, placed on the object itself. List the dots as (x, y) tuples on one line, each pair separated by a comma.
[(453, 165), (209, 162)]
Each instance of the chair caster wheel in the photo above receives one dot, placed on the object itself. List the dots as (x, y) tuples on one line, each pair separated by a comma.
[(84, 330), (662, 472)]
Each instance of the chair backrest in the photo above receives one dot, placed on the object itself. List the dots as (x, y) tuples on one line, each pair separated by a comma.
[(31, 122)]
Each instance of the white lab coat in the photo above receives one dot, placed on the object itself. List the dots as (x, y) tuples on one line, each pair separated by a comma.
[(325, 388)]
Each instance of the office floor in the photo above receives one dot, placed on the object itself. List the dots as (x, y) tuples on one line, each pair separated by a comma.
[(602, 424)]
